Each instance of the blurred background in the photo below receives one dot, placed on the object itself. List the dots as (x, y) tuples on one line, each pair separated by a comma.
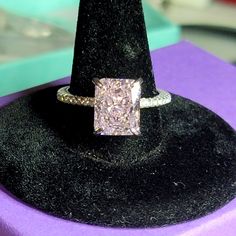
[(36, 37)]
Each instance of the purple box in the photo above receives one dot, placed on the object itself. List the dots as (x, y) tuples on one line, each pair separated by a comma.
[(182, 69)]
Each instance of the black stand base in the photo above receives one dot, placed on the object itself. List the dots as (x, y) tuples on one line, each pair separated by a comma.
[(182, 167)]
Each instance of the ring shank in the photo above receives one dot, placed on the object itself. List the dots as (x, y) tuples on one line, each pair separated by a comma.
[(63, 95)]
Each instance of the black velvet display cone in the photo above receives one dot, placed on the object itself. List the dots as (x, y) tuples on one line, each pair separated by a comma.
[(111, 42), (183, 166)]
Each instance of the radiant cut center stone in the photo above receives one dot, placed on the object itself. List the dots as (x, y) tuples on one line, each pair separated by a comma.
[(117, 107)]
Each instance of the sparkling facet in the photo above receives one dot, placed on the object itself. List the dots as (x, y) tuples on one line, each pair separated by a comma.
[(117, 107)]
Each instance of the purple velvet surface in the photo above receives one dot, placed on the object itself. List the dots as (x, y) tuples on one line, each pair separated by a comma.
[(184, 70)]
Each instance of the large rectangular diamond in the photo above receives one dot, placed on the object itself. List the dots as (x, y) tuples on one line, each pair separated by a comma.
[(117, 107)]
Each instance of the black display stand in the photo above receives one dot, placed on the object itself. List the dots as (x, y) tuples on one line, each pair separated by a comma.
[(180, 168), (111, 42)]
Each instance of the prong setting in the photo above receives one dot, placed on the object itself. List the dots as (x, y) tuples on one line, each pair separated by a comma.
[(97, 82)]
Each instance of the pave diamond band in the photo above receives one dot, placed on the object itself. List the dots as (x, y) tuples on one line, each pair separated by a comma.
[(161, 99), (63, 95)]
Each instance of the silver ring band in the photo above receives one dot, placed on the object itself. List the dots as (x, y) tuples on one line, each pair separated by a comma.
[(63, 95)]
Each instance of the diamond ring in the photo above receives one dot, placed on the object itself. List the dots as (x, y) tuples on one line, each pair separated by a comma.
[(117, 104)]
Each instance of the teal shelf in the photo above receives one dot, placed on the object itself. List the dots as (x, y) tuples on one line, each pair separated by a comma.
[(161, 32), (27, 73), (35, 71), (35, 8)]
